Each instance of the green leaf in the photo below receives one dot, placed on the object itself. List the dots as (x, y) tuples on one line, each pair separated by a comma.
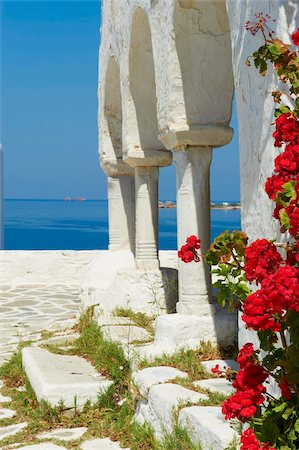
[(296, 426), (284, 219)]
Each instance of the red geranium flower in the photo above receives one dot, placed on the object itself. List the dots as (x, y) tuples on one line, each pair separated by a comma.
[(249, 441), (295, 37)]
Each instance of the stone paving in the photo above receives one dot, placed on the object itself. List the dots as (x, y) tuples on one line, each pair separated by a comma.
[(27, 310)]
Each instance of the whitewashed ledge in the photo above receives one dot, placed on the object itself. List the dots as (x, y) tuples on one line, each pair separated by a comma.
[(44, 266)]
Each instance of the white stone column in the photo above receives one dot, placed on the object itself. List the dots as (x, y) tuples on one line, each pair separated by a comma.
[(1, 200), (193, 218), (146, 194), (121, 212)]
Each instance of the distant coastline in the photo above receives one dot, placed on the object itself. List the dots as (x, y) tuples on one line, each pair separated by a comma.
[(223, 205)]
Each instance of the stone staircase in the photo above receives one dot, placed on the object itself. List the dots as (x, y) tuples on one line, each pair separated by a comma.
[(162, 399)]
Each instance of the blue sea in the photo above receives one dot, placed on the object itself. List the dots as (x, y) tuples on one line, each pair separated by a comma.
[(56, 224)]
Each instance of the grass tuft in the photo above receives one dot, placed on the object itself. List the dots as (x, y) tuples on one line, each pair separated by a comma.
[(138, 318)]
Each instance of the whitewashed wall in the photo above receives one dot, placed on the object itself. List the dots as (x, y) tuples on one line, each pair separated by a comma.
[(255, 109)]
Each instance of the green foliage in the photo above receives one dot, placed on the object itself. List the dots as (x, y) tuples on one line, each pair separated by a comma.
[(227, 255), (286, 63), (278, 424)]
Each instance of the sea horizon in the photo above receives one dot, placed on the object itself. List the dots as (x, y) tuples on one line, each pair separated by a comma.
[(50, 224)]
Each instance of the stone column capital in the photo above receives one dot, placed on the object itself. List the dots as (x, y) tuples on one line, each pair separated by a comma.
[(116, 167), (199, 136), (148, 158)]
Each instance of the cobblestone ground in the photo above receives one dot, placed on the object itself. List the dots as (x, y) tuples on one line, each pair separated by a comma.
[(26, 313), (26, 310)]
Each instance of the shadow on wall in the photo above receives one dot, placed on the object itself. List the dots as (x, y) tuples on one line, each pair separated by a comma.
[(203, 44), (143, 122)]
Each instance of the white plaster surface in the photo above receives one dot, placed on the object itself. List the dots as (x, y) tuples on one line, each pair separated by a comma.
[(59, 377), (185, 43), (220, 385), (64, 434), (112, 281), (255, 109), (100, 444), (206, 426), (43, 266), (150, 376), (160, 406)]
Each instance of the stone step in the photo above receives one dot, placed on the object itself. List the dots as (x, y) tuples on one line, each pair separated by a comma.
[(6, 413), (150, 376), (10, 430), (176, 331), (64, 434), (56, 378), (126, 334), (101, 444), (220, 385), (158, 410), (207, 427), (43, 446), (104, 321)]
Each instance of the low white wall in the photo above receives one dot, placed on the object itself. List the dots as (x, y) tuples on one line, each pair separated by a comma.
[(54, 267)]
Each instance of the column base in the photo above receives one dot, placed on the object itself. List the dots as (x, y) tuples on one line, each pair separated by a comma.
[(147, 264), (180, 331)]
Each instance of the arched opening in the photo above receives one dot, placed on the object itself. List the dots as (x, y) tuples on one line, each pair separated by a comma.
[(142, 114), (112, 139)]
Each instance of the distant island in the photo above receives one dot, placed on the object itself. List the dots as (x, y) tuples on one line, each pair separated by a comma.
[(223, 205)]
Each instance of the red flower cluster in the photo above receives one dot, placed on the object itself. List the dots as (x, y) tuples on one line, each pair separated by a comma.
[(261, 259), (248, 383), (287, 129), (249, 441), (295, 37), (279, 293), (288, 161), (286, 170), (245, 355), (274, 184), (189, 251)]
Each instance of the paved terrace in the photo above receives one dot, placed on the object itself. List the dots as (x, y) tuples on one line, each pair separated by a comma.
[(39, 291)]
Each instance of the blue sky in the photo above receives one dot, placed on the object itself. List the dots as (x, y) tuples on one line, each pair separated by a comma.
[(49, 106)]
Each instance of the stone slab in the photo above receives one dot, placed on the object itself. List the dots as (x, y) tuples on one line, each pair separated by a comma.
[(56, 378), (4, 399), (126, 334), (223, 364), (101, 444), (43, 446), (180, 330), (148, 377), (6, 413), (162, 401), (206, 426), (104, 321), (220, 385), (10, 430), (64, 434)]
